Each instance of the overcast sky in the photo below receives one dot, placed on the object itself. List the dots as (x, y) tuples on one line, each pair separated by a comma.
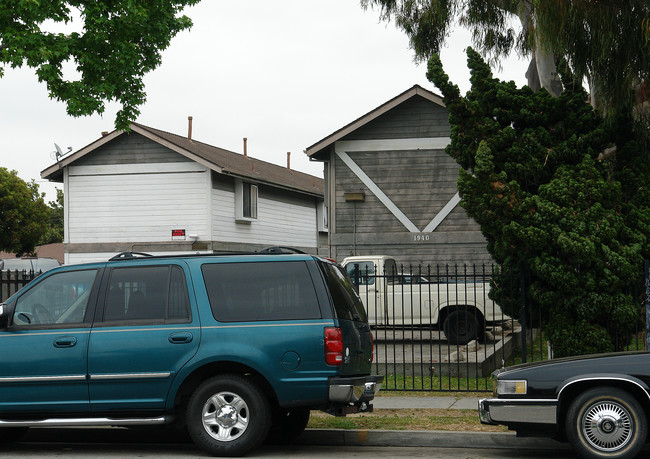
[(284, 74)]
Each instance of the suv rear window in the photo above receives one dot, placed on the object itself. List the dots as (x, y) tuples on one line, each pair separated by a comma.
[(346, 301), (257, 291)]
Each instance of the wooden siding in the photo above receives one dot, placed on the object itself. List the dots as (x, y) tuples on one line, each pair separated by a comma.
[(131, 148), (136, 202), (415, 118), (419, 183), (283, 218)]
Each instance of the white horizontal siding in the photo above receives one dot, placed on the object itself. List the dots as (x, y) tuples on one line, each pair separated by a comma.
[(77, 258), (278, 223), (143, 205)]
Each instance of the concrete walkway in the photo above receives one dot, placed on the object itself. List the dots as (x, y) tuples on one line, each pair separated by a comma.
[(444, 403)]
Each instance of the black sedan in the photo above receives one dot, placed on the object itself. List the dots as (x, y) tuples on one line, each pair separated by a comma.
[(599, 403)]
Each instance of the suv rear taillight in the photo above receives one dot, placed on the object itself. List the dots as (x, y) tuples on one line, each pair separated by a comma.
[(372, 347), (333, 346)]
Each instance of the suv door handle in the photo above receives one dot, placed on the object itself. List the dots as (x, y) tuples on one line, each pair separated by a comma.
[(180, 338), (65, 341)]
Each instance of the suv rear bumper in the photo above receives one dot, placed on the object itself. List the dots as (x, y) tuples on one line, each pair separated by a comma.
[(354, 389)]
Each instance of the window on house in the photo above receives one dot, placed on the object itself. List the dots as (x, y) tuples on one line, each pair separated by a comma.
[(250, 200), (321, 215), (245, 201)]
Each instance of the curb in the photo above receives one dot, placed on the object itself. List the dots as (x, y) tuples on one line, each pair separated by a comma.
[(425, 438)]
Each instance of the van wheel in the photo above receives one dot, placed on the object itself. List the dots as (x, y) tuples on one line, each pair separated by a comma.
[(461, 327), (228, 416), (288, 425), (605, 422)]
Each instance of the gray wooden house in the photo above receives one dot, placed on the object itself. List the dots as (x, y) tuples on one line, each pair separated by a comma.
[(390, 188)]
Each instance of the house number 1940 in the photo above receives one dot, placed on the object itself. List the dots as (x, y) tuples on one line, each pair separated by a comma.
[(421, 237)]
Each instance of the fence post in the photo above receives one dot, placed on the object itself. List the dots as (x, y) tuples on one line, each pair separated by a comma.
[(646, 275), (524, 331)]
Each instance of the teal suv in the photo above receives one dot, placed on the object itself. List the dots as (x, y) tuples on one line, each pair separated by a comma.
[(234, 348)]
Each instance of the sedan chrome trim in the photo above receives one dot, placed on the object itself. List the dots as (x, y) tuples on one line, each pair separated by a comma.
[(131, 376), (86, 422), (31, 379), (604, 378), (529, 411)]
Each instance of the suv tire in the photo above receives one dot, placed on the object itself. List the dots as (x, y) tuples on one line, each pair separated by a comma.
[(228, 415)]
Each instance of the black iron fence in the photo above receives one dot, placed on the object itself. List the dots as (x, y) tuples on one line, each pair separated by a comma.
[(12, 281), (437, 329)]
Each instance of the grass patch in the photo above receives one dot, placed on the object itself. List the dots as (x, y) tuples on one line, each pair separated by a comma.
[(443, 384), (405, 419)]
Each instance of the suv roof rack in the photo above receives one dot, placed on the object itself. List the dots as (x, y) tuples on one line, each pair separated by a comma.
[(274, 250), (129, 255), (280, 249)]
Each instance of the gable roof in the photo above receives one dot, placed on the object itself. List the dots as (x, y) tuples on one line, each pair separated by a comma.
[(319, 147), (217, 159)]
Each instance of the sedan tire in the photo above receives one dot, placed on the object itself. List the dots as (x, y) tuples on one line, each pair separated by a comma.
[(606, 422)]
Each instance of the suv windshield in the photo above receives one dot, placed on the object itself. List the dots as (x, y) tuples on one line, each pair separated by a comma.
[(346, 301)]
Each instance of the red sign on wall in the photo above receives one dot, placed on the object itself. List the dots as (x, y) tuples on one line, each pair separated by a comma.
[(178, 234)]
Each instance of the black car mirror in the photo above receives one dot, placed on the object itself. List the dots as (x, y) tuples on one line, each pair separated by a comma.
[(4, 315)]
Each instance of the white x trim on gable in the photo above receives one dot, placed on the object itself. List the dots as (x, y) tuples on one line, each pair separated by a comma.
[(342, 148)]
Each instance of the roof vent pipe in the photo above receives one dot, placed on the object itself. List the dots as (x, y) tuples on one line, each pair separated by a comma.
[(245, 149), (289, 160), (189, 128)]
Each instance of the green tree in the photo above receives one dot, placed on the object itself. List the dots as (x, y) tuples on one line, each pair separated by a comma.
[(120, 42), (54, 225), (23, 213), (607, 42), (530, 177)]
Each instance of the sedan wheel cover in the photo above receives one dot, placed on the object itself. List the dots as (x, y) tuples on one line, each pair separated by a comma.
[(607, 426), (225, 416)]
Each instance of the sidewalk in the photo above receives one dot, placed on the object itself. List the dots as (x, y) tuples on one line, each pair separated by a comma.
[(444, 403), (419, 438)]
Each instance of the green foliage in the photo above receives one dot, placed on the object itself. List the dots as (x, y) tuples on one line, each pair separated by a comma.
[(120, 42), (54, 224), (606, 42), (532, 180), (22, 213)]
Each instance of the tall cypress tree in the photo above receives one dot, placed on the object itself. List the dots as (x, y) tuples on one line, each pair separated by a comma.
[(532, 180)]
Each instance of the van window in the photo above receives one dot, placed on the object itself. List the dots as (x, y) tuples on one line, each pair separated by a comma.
[(346, 301), (258, 291)]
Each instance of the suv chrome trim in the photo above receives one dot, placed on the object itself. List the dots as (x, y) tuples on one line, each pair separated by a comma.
[(63, 422), (131, 376), (30, 379)]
